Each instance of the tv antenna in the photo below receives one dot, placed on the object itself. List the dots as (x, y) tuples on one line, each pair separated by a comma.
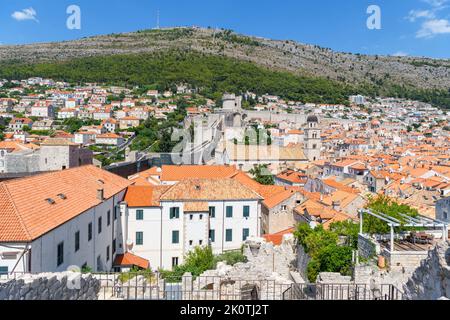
[(157, 19)]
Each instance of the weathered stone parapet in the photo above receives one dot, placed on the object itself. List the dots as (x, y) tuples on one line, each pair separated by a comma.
[(431, 281), (366, 247), (50, 286)]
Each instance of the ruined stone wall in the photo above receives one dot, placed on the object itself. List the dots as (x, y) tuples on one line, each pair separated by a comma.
[(398, 260), (302, 261), (366, 247), (50, 286), (431, 281), (270, 269)]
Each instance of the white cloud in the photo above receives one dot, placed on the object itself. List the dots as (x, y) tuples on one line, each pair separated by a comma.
[(400, 54), (436, 3), (434, 27), (432, 22), (25, 14), (417, 14)]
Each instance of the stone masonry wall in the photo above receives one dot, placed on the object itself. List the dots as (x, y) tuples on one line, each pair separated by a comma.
[(366, 248), (50, 286), (431, 281)]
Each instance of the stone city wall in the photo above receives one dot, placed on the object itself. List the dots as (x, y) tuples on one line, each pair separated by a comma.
[(50, 286), (431, 281), (366, 247)]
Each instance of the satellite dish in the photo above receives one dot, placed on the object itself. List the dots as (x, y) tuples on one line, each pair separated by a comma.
[(313, 224), (130, 243)]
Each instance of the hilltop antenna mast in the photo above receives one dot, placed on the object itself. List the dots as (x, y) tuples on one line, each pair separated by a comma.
[(157, 19)]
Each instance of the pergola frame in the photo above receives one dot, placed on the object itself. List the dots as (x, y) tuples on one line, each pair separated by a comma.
[(419, 221)]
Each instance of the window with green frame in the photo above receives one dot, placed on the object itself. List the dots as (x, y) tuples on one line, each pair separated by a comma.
[(229, 235), (212, 235), (229, 212), (77, 241), (246, 211), (212, 212), (60, 254), (245, 234), (175, 237), (174, 213), (139, 214), (139, 238)]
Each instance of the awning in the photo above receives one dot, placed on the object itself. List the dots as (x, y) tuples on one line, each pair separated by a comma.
[(130, 260)]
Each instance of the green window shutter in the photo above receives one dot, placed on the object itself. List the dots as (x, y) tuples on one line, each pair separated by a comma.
[(246, 211), (174, 213), (175, 237), (212, 235), (212, 212), (139, 214), (245, 234), (229, 212), (229, 235), (77, 241), (139, 238)]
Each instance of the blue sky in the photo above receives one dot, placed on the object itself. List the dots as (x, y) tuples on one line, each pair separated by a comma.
[(408, 27)]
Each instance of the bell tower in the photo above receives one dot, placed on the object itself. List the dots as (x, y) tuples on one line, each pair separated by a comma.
[(313, 142)]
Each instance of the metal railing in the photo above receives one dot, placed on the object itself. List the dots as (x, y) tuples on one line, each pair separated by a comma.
[(153, 286), (351, 291)]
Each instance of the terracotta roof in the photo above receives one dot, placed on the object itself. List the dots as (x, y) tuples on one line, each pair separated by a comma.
[(177, 173), (108, 136), (272, 194), (209, 189), (277, 238), (26, 213), (262, 152), (130, 260), (293, 176), (144, 196), (58, 142), (198, 206), (17, 146), (275, 199), (339, 186)]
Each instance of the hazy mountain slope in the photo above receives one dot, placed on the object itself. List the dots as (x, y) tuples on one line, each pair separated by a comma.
[(286, 55)]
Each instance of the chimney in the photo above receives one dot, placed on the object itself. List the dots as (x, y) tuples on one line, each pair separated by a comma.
[(336, 205), (100, 194)]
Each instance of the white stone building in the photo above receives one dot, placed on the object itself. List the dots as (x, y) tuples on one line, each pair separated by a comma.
[(52, 221), (43, 111), (443, 210), (165, 222)]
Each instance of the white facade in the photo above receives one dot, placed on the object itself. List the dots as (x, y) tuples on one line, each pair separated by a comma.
[(193, 229), (443, 210), (67, 114), (113, 141), (84, 137), (42, 111), (96, 253)]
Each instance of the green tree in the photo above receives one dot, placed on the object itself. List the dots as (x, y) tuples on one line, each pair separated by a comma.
[(262, 175)]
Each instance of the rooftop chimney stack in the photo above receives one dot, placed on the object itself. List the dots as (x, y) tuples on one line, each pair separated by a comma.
[(336, 205), (101, 194)]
